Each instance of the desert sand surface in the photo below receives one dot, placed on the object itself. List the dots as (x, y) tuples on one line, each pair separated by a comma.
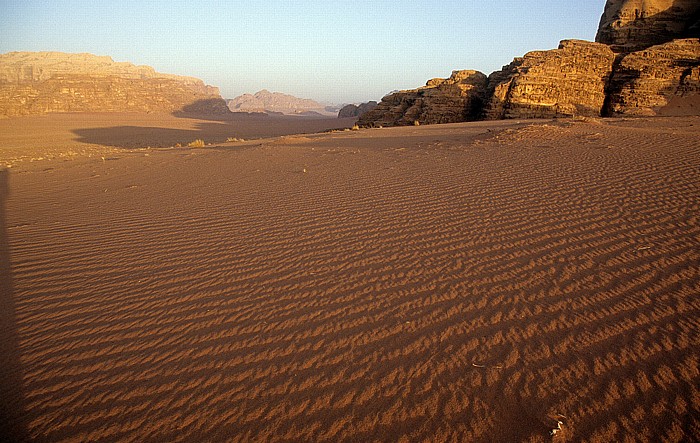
[(490, 281), (70, 135)]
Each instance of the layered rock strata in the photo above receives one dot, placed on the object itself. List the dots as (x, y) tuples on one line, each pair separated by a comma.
[(646, 61), (455, 99), (44, 82), (563, 82), (649, 81), (633, 25)]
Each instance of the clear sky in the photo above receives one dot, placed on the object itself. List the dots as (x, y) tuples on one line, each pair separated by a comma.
[(335, 51)]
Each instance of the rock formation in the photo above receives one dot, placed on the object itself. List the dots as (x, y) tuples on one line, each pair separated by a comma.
[(356, 110), (562, 82), (275, 102), (455, 99), (42, 82), (646, 61), (633, 25), (651, 81)]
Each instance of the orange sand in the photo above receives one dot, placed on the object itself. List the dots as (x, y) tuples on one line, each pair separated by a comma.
[(467, 282)]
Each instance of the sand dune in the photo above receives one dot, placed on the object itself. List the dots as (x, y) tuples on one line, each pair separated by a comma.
[(467, 282)]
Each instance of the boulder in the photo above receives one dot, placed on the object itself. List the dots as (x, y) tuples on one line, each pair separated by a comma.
[(42, 82), (455, 99), (633, 25), (348, 111), (662, 79), (564, 82)]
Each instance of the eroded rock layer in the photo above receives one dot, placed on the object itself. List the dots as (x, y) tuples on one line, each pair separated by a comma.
[(43, 82), (455, 99), (661, 79), (562, 82), (633, 25)]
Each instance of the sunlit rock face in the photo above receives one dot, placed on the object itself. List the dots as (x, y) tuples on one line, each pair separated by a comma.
[(564, 82), (45, 82), (458, 98), (633, 25)]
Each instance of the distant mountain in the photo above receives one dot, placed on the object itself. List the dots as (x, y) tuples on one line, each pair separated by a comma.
[(43, 82), (276, 102)]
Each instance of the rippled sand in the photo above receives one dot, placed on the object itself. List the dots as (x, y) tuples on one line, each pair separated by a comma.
[(489, 281)]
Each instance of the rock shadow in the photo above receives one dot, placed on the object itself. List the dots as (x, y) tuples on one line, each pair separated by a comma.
[(620, 79), (626, 79), (211, 128), (155, 137), (13, 426), (210, 107)]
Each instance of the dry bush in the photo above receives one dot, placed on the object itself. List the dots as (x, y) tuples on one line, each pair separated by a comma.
[(196, 144)]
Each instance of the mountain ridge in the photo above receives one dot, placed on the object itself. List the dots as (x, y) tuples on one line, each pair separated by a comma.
[(275, 102), (46, 82)]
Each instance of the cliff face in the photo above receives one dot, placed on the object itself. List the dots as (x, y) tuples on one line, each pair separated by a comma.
[(577, 79), (562, 82), (642, 63), (633, 25), (41, 82), (649, 81), (455, 99)]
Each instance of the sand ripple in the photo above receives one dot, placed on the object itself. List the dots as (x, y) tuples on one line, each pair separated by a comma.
[(457, 291)]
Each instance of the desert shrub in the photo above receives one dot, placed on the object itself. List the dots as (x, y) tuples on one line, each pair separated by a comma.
[(196, 144), (355, 128), (416, 123)]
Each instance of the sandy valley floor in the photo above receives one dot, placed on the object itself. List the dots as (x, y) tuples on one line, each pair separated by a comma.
[(490, 281)]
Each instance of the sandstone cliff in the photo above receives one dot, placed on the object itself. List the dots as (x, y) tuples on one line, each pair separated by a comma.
[(633, 25), (562, 82), (651, 81), (356, 110), (275, 102), (455, 99), (641, 64), (42, 82)]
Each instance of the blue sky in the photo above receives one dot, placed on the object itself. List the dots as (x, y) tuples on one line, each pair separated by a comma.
[(332, 51)]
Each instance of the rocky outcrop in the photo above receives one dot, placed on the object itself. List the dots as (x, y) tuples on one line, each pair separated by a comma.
[(348, 111), (578, 79), (642, 63), (569, 81), (633, 25), (455, 99), (43, 82), (275, 102), (657, 79)]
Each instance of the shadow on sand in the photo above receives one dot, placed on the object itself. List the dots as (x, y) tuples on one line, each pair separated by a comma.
[(12, 411), (212, 128)]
